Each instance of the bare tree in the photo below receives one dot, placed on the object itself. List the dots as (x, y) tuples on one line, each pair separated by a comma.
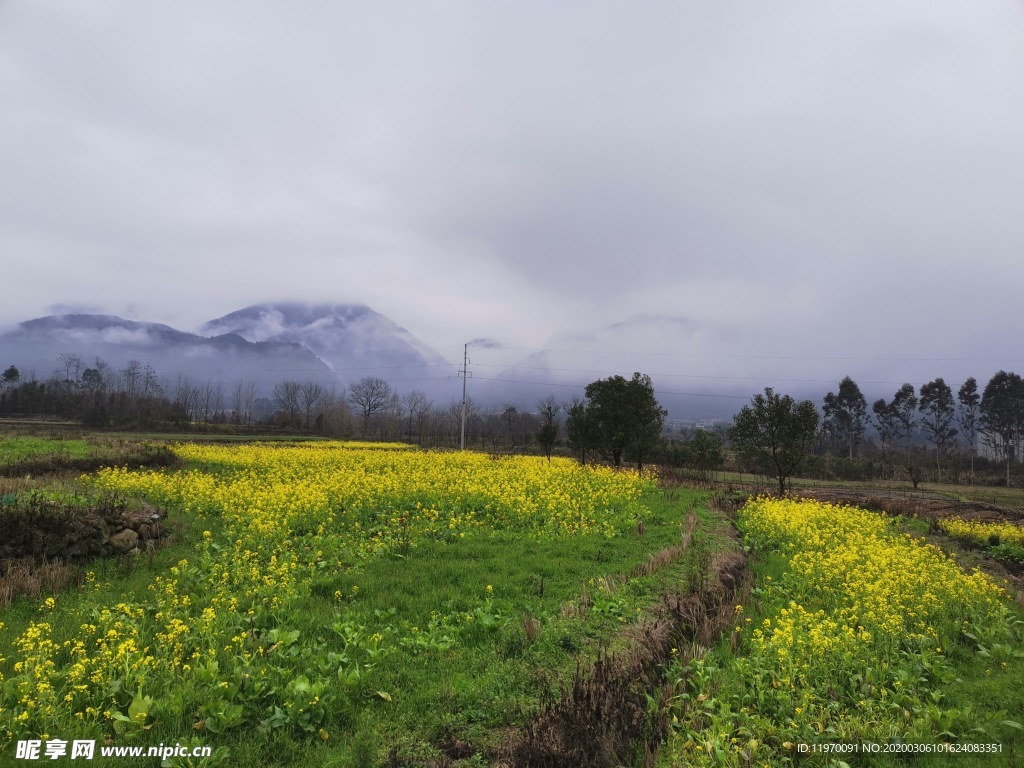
[(151, 386), (492, 426), (185, 397), (337, 417), (548, 433), (510, 415), (72, 365), (416, 406), (391, 426), (218, 402), (286, 396), (312, 396), (369, 395), (131, 377), (242, 400), (210, 400)]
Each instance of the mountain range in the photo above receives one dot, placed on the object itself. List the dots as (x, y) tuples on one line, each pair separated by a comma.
[(337, 344), (331, 344)]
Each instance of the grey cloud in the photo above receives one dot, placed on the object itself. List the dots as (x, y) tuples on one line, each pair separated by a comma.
[(842, 177)]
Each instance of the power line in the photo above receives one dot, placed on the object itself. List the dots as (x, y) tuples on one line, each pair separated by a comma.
[(582, 386), (768, 357), (676, 375)]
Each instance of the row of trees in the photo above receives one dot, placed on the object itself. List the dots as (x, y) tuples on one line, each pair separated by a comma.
[(616, 419), (97, 394), (996, 416), (778, 432)]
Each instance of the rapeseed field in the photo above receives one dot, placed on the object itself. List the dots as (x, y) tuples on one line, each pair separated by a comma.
[(210, 644), (853, 640)]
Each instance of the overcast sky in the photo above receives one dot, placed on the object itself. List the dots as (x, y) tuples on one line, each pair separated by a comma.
[(798, 179)]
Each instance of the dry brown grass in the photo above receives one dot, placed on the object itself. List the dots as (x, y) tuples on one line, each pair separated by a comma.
[(531, 628), (26, 577)]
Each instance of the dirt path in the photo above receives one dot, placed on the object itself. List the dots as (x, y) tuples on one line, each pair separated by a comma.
[(603, 718)]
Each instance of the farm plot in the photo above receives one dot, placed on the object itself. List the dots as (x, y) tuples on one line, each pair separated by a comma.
[(857, 638), (341, 603), (1003, 540)]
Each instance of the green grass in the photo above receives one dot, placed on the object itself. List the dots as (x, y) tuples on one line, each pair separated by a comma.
[(970, 692), (493, 677), (491, 656), (14, 450)]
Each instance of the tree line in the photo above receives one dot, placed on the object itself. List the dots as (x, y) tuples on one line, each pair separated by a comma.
[(931, 418), (616, 420), (781, 434)]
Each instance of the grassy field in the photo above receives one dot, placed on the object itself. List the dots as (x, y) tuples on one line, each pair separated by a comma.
[(347, 605), (860, 638), (354, 604), (32, 456)]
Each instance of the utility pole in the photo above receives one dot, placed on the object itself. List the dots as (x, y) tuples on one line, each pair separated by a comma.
[(465, 374)]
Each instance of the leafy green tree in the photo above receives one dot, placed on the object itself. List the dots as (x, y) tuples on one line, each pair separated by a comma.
[(548, 433), (646, 419), (904, 412), (92, 380), (885, 423), (10, 377), (778, 430), (617, 416), (705, 453), (937, 408), (580, 428), (904, 406), (969, 415), (608, 406), (1002, 413), (846, 413)]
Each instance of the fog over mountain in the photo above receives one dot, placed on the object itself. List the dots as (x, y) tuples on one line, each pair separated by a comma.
[(747, 193), (35, 347), (700, 370), (331, 344), (351, 339)]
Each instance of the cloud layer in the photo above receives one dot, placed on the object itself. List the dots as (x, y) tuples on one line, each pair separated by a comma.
[(796, 180)]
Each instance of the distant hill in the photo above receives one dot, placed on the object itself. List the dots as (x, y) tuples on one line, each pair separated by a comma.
[(338, 344), (35, 346), (351, 339)]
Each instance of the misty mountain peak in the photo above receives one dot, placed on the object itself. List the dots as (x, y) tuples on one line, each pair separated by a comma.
[(269, 321), (352, 339), (90, 322)]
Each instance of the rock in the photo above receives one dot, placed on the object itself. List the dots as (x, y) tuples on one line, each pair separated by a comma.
[(124, 541), (54, 546), (80, 548)]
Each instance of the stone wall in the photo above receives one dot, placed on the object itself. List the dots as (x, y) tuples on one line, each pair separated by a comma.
[(93, 534)]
